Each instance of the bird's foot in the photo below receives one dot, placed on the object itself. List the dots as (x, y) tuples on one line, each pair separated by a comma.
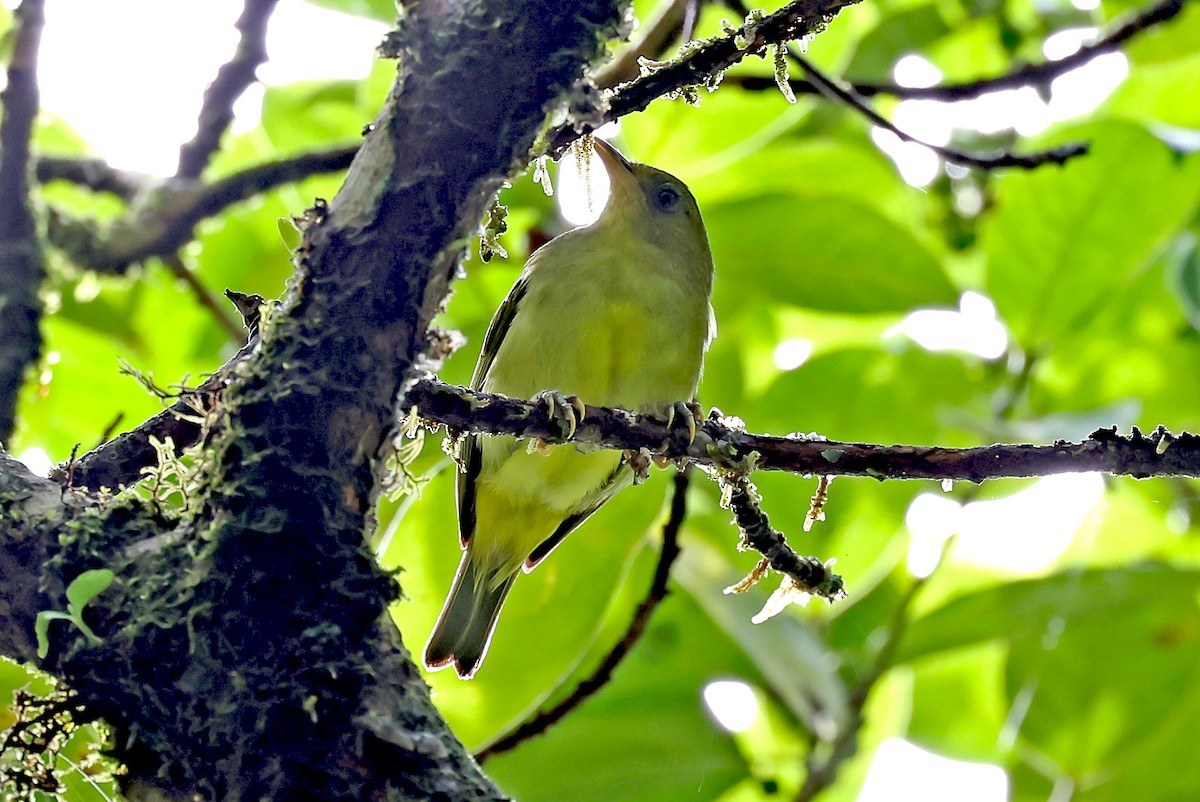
[(684, 416), (565, 411)]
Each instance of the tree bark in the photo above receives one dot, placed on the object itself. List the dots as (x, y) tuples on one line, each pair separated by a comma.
[(245, 649)]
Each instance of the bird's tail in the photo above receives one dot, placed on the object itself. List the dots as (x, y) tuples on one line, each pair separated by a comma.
[(464, 629)]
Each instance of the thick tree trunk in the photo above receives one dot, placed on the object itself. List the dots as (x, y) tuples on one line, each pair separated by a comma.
[(246, 651)]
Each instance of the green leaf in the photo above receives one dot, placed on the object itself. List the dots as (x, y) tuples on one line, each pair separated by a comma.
[(382, 10), (1184, 277), (1085, 679), (829, 253), (645, 735), (902, 32), (1063, 241), (1166, 92), (1012, 610), (87, 586)]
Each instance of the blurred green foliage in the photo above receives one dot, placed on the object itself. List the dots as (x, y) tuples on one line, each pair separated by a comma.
[(1077, 670)]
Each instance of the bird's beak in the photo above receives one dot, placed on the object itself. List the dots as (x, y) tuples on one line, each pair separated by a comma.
[(622, 180), (614, 162)]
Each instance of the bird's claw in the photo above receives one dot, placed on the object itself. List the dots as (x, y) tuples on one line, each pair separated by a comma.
[(566, 410), (692, 415)]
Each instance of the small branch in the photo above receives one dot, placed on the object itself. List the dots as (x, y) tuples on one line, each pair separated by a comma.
[(163, 227), (718, 442), (120, 461), (1025, 75), (808, 574), (204, 296), (830, 89), (704, 64), (95, 174), (847, 96), (652, 43), (232, 80), (21, 263), (822, 765), (544, 719)]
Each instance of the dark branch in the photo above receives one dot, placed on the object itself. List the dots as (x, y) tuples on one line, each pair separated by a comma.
[(822, 765), (120, 460), (232, 79), (830, 89), (544, 719), (808, 574), (717, 443), (651, 43), (21, 263), (705, 64), (95, 174), (1025, 75), (161, 228)]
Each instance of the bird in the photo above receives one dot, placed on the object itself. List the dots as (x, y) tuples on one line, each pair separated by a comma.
[(617, 313)]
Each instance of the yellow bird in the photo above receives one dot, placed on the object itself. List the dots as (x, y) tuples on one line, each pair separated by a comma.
[(615, 313)]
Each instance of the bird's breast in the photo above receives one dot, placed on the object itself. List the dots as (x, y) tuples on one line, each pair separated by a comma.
[(616, 328)]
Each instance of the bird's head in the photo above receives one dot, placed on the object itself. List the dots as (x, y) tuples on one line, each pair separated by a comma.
[(654, 205)]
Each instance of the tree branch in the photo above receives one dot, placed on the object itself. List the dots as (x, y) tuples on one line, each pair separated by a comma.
[(721, 443), (544, 719), (651, 43), (1039, 74), (830, 89), (21, 263), (232, 80), (718, 443), (702, 65), (165, 224)]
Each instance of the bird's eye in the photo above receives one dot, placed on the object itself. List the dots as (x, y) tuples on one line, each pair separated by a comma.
[(667, 198)]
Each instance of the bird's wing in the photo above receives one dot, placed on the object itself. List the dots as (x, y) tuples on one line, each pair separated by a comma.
[(471, 451), (620, 477), (499, 326), (471, 458)]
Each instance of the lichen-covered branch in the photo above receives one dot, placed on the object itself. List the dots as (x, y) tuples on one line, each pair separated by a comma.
[(717, 443), (21, 264), (232, 79), (704, 64), (651, 42)]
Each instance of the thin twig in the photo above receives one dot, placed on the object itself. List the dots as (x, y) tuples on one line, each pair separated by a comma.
[(822, 765), (232, 80), (808, 574), (1041, 73), (21, 263), (544, 719), (828, 87), (204, 296), (831, 90)]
